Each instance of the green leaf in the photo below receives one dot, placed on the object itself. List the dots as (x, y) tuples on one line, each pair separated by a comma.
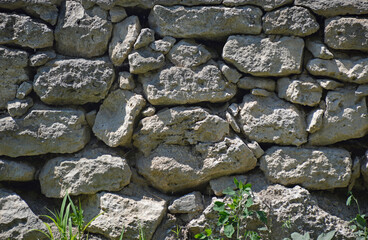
[(348, 201), (224, 217), (298, 236), (208, 232), (249, 202), (236, 183), (219, 206), (200, 236), (229, 230), (361, 222), (327, 236), (262, 216), (229, 191)]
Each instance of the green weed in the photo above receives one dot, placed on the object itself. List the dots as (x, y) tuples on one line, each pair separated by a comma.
[(359, 223)]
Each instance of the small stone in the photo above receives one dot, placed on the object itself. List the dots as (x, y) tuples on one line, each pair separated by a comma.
[(355, 173), (267, 5), (328, 8), (126, 81), (117, 14), (145, 60), (17, 171), (257, 82), (148, 112), (256, 149), (190, 203), (231, 120), (145, 37), (218, 185), (18, 107), (47, 13), (234, 109), (314, 120), (329, 84), (41, 58), (163, 45), (296, 21), (123, 38), (24, 89), (231, 74), (260, 92), (319, 49), (91, 117), (362, 91)]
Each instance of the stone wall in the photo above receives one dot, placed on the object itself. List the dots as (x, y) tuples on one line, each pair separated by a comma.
[(146, 109)]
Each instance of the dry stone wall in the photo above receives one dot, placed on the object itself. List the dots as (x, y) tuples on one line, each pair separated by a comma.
[(146, 109)]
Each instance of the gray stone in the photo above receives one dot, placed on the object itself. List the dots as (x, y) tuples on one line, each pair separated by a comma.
[(328, 8), (188, 53), (218, 185), (145, 37), (163, 45), (234, 109), (16, 4), (347, 33), (81, 32), (117, 14), (187, 2), (41, 58), (297, 21), (210, 22), (110, 4), (44, 130), (231, 120), (190, 203), (123, 38), (355, 173), (265, 56), (272, 120), (250, 82), (44, 12), (90, 171), (23, 31), (312, 168), (346, 70), (314, 120), (24, 89), (91, 117), (319, 49), (148, 112), (145, 60), (256, 149), (260, 92), (18, 107), (18, 171), (115, 120), (329, 84), (16, 218), (126, 81), (267, 5), (302, 90), (74, 81), (231, 74), (13, 71), (362, 91), (345, 118)]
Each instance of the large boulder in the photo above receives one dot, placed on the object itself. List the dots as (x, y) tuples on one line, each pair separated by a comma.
[(81, 32), (265, 56), (18, 171), (272, 120), (74, 81), (44, 130), (328, 8), (267, 5), (205, 22)]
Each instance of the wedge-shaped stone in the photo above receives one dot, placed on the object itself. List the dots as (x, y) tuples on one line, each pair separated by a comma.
[(180, 85), (189, 203), (347, 33), (354, 71), (92, 170), (318, 49), (188, 53), (205, 22), (296, 21), (23, 31), (328, 8), (272, 120), (44, 130), (267, 5), (144, 60), (74, 81), (312, 168), (115, 120), (265, 56), (345, 118), (16, 171), (81, 32), (46, 13)]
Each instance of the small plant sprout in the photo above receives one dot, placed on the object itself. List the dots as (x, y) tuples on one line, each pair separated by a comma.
[(359, 223), (176, 231)]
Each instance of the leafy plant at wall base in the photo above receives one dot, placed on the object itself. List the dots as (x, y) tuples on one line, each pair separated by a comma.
[(207, 235), (177, 232), (306, 236), (359, 223)]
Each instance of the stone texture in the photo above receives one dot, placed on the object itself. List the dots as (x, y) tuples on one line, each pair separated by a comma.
[(21, 30), (231, 74), (126, 81), (346, 70), (345, 118), (210, 22), (81, 32), (91, 117), (115, 120), (189, 203), (318, 49), (117, 14), (123, 38), (179, 85), (17, 219), (145, 60), (74, 81), (234, 109), (41, 58), (163, 45), (312, 168), (187, 2), (145, 37), (296, 21), (90, 171), (256, 149), (18, 171), (44, 130), (148, 112), (24, 89), (250, 82), (16, 4), (231, 120), (220, 184), (330, 84), (47, 13), (265, 56), (362, 91), (328, 8), (260, 92), (18, 107), (110, 4), (267, 5), (314, 120), (347, 33), (188, 53), (364, 168), (272, 120)]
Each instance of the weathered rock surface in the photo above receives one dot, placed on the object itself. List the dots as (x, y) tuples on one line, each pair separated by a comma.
[(92, 170), (346, 70), (220, 184), (110, 4), (187, 2), (115, 120), (205, 22), (260, 92), (13, 65), (312, 168), (272, 120), (18, 107), (250, 82), (16, 4), (345, 117), (265, 56), (329, 8), (231, 120), (123, 38), (315, 120), (117, 14), (318, 49), (180, 85), (145, 37), (74, 81), (126, 81), (44, 12), (41, 58), (17, 219), (81, 32), (24, 89), (188, 53), (190, 203), (21, 30), (231, 74), (145, 60), (362, 91), (44, 130), (347, 33), (330, 84), (267, 5), (163, 45), (11, 170), (296, 21)]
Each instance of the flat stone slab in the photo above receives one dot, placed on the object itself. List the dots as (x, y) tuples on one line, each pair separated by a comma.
[(328, 8), (267, 5), (18, 171)]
